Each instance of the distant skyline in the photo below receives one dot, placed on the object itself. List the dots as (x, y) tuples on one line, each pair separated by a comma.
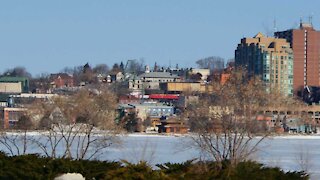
[(46, 36)]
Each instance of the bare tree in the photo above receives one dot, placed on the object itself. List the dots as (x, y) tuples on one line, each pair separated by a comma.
[(76, 72), (101, 69), (224, 123), (303, 158), (81, 124), (135, 66), (40, 83), (17, 142), (214, 63), (14, 143)]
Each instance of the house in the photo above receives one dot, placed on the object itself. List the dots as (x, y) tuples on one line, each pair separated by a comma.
[(116, 77), (10, 116), (61, 80), (172, 125), (135, 85)]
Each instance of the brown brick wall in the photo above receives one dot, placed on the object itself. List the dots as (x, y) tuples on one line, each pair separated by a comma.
[(296, 37)]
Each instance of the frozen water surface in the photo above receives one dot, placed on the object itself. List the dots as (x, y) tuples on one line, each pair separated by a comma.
[(287, 152)]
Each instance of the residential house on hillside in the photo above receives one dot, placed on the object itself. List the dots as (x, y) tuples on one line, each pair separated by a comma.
[(116, 77), (61, 80)]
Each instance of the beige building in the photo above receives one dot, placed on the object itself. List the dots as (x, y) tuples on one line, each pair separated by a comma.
[(151, 81), (172, 87), (10, 87), (270, 58)]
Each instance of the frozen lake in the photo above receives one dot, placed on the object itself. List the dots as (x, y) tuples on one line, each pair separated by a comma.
[(287, 152)]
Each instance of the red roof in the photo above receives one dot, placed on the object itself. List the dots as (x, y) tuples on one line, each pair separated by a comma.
[(164, 96)]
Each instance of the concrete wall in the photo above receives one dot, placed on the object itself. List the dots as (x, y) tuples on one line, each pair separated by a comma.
[(12, 87)]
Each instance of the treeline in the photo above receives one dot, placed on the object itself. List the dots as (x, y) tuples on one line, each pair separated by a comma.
[(35, 167)]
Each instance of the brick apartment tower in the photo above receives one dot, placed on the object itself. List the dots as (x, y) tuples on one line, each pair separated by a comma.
[(305, 43)]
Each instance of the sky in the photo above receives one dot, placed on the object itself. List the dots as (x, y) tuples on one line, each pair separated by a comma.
[(46, 36)]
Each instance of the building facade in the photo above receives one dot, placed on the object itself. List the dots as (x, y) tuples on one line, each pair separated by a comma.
[(270, 58), (305, 43), (151, 81), (9, 116), (14, 84)]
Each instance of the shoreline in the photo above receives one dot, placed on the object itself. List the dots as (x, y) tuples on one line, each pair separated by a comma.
[(163, 135)]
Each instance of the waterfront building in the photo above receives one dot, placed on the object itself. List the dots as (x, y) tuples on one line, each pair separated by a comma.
[(305, 43), (270, 58)]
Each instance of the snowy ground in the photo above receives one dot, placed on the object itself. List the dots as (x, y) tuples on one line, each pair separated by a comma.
[(287, 152)]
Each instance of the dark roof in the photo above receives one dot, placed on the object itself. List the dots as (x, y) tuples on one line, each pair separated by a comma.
[(12, 79), (158, 75)]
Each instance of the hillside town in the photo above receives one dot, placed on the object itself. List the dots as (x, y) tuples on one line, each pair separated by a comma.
[(154, 98)]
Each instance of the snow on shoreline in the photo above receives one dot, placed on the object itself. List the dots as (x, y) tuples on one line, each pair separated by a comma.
[(285, 136)]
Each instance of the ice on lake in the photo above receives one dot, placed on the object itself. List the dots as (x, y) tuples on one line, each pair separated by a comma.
[(291, 153)]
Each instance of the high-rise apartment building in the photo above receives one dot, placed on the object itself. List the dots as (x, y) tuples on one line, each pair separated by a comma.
[(305, 43), (270, 58)]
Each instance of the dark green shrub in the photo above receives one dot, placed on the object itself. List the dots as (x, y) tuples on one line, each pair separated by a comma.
[(35, 167), (131, 171)]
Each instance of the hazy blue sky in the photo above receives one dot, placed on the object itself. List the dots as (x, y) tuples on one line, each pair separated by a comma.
[(46, 36)]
